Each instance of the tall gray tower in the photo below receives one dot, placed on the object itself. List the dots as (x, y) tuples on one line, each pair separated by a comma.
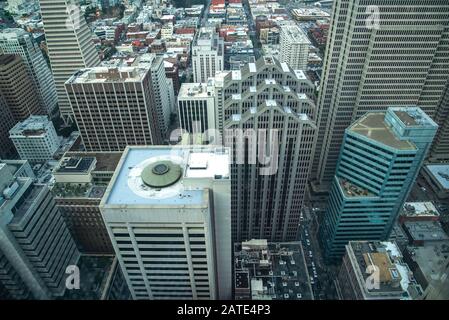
[(265, 109), (380, 53)]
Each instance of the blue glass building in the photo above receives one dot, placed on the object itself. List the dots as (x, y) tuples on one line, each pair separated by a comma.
[(379, 160)]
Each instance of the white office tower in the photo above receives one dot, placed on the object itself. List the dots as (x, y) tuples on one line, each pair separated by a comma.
[(167, 211), (69, 43), (207, 55), (35, 139), (380, 53), (19, 42), (268, 119), (116, 106), (294, 47), (196, 109), (35, 244)]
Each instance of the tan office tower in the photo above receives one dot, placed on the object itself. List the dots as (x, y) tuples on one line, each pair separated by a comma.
[(380, 53), (440, 148), (17, 88), (267, 100), (115, 107), (69, 43)]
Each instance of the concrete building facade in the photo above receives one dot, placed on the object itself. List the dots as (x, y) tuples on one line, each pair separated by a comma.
[(207, 55), (196, 107), (116, 107), (294, 47), (35, 139), (167, 211), (35, 244)]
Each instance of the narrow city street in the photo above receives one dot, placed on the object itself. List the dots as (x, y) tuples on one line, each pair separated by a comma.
[(322, 276)]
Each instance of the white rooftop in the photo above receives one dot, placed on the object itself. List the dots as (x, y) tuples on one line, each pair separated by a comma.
[(195, 90), (441, 173), (128, 188), (131, 70), (32, 126), (236, 75), (294, 34), (419, 209)]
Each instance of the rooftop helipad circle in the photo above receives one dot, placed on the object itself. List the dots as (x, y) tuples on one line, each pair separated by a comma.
[(161, 174)]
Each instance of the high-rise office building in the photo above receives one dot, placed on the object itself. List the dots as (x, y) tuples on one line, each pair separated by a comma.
[(35, 244), (17, 88), (294, 47), (207, 55), (196, 107), (268, 119), (119, 106), (35, 139), (69, 43), (162, 89), (19, 42), (81, 179), (167, 211), (440, 148), (6, 123), (379, 53), (380, 158)]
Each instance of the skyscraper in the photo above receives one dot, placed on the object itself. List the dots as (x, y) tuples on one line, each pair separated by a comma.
[(196, 107), (167, 211), (380, 158), (118, 106), (19, 42), (35, 244), (294, 47), (379, 53), (440, 148), (207, 55), (162, 89), (17, 88), (268, 120), (69, 43)]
